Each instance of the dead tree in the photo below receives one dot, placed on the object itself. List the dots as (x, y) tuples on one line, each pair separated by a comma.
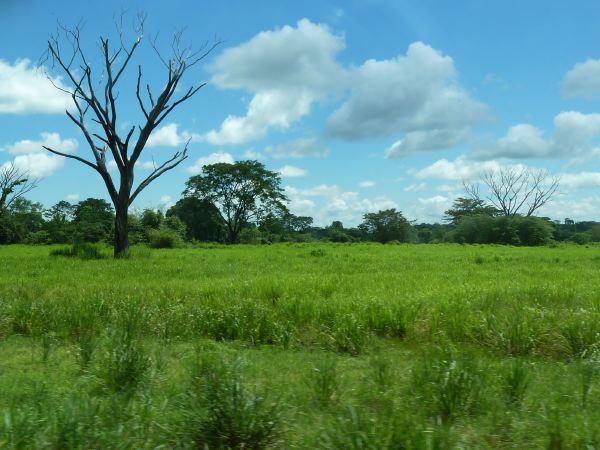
[(94, 94), (515, 191), (14, 183)]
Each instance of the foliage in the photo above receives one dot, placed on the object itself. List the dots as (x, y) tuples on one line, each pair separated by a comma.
[(163, 238), (517, 230), (202, 219), (468, 207), (93, 220), (386, 225), (243, 192)]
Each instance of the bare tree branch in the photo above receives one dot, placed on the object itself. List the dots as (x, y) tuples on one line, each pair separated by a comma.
[(14, 183), (515, 190), (87, 82)]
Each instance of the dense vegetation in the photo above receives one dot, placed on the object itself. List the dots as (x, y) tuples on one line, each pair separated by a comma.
[(354, 346), (195, 220)]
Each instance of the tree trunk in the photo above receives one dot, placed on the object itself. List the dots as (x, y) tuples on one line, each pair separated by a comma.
[(121, 230)]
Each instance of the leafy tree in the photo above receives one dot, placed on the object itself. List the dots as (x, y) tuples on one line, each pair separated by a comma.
[(387, 225), (93, 219), (243, 193), (93, 84), (202, 219), (58, 222), (468, 207), (151, 218), (22, 218)]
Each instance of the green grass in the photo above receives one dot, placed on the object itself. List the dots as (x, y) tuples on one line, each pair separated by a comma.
[(301, 346)]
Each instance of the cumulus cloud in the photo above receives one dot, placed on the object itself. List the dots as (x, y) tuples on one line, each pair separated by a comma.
[(37, 165), (429, 209), (366, 184), (415, 187), (580, 180), (25, 90), (300, 148), (583, 80), (288, 171), (72, 197), (425, 141), (52, 140), (213, 158), (326, 203), (574, 135), (286, 70), (461, 168), (416, 94), (169, 136), (30, 156)]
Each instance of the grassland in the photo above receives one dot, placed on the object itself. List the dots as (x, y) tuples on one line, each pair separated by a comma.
[(302, 346)]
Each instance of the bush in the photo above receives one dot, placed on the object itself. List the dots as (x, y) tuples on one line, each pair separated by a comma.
[(223, 414), (516, 230), (163, 239), (82, 250)]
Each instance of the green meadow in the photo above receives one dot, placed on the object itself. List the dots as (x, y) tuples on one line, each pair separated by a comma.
[(301, 346)]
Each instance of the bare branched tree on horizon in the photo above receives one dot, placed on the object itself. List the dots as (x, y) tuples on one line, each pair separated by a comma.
[(94, 94), (14, 183), (515, 191)]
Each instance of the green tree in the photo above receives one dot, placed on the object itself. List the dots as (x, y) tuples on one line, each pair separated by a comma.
[(387, 225), (22, 218), (202, 219), (468, 207), (93, 219), (58, 222), (243, 193)]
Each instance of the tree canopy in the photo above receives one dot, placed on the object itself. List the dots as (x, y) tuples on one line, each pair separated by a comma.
[(387, 225), (243, 192)]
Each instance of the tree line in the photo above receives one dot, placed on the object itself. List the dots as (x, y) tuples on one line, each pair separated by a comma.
[(244, 202)]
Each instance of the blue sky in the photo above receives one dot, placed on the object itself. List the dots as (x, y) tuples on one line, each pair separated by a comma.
[(361, 105)]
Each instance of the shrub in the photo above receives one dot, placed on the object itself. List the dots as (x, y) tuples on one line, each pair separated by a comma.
[(163, 239), (82, 250), (222, 414)]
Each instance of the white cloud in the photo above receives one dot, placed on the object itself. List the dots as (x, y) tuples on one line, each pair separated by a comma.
[(583, 80), (326, 203), (37, 165), (415, 187), (166, 199), (574, 135), (288, 171), (576, 208), (428, 140), (213, 158), (72, 197), (580, 180), (30, 156), (459, 169), (287, 70), (26, 90), (145, 165), (430, 209), (416, 94), (169, 136), (252, 154), (52, 140), (300, 148), (366, 184)]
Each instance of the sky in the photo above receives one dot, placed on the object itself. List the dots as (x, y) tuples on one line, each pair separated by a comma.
[(360, 105)]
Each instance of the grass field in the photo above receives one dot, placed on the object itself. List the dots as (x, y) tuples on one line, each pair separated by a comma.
[(302, 346)]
